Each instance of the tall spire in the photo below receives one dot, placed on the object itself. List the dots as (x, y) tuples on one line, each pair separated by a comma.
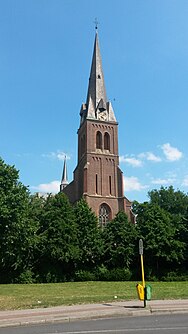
[(96, 96), (64, 180), (96, 89)]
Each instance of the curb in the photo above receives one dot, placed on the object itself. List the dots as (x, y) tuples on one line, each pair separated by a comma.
[(130, 313), (170, 311), (64, 316)]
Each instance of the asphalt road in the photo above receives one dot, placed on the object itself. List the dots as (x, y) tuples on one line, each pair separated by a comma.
[(163, 324)]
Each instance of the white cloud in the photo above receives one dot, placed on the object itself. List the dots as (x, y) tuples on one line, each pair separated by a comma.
[(171, 153), (137, 162), (52, 187), (59, 155), (131, 161), (149, 156), (185, 181), (62, 155), (132, 184), (172, 175), (162, 181)]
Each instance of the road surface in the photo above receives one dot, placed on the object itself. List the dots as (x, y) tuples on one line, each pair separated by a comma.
[(163, 324)]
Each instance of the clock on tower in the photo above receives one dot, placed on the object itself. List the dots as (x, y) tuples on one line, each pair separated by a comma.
[(102, 116)]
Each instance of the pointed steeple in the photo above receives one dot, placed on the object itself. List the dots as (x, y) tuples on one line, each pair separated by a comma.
[(64, 180), (96, 96), (96, 89)]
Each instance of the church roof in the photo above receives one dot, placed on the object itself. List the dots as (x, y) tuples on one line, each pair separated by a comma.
[(64, 180), (96, 96), (96, 89)]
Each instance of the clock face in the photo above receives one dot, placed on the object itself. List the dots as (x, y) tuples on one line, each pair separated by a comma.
[(102, 116)]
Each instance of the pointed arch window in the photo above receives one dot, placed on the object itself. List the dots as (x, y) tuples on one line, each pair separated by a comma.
[(110, 185), (99, 140), (107, 141), (96, 184), (104, 214)]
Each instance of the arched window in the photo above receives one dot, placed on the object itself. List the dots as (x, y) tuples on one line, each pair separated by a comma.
[(110, 185), (96, 184), (104, 214), (107, 141), (99, 140)]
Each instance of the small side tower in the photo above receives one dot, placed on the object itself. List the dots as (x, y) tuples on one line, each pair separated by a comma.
[(64, 180)]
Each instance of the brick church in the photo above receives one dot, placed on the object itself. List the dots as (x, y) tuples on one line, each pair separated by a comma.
[(97, 176)]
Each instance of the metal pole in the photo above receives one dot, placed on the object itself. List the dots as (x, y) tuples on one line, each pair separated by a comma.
[(143, 280), (141, 251)]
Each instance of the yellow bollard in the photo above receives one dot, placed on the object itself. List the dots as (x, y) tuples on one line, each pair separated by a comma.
[(140, 291)]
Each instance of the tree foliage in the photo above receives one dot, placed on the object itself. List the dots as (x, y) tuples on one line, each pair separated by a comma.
[(46, 239), (119, 237), (174, 202), (89, 235), (58, 247), (162, 223), (17, 234), (158, 232)]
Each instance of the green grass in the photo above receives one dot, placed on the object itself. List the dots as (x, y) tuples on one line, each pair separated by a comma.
[(22, 296)]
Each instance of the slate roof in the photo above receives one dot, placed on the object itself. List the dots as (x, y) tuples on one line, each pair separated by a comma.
[(96, 96)]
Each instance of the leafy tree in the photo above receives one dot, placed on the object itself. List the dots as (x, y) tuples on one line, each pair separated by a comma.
[(89, 235), (175, 202), (36, 207), (58, 248), (119, 242), (36, 212), (16, 232), (162, 248)]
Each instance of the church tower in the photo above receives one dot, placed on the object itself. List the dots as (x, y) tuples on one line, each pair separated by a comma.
[(97, 176), (64, 180)]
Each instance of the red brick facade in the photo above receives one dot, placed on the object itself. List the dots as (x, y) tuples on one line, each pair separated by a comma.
[(97, 176)]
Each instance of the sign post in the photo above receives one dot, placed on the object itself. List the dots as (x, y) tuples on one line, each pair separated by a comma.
[(141, 252)]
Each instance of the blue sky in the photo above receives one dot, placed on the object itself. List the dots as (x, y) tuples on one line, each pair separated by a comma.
[(45, 58)]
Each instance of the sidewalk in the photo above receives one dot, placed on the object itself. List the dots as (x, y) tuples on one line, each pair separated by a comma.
[(91, 311)]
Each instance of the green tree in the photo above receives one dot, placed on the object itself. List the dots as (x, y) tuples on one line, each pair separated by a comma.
[(58, 246), (119, 242), (16, 233), (162, 249), (36, 212), (89, 236), (175, 202)]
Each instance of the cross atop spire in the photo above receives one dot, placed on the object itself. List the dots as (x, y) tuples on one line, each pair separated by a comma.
[(96, 23)]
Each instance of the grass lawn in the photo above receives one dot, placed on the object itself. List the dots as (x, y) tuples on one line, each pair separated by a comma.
[(22, 296)]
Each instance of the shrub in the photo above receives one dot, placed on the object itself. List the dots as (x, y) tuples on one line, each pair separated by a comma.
[(102, 273), (175, 276), (26, 277), (84, 275), (119, 274)]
